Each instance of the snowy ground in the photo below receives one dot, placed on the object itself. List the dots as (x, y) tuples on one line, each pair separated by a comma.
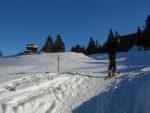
[(31, 84)]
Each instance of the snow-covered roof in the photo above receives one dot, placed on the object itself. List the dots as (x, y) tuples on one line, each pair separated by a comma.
[(32, 45)]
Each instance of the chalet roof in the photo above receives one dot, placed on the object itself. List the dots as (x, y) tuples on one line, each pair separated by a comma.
[(32, 45)]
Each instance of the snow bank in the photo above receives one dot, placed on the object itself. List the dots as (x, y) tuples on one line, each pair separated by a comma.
[(125, 95), (138, 58)]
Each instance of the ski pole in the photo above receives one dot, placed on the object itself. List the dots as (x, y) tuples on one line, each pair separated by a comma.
[(129, 63)]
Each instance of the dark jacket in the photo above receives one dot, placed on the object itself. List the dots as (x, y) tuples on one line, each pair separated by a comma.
[(112, 45)]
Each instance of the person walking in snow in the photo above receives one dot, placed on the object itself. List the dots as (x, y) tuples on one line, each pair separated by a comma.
[(112, 50)]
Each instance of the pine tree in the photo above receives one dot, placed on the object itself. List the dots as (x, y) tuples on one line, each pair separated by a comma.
[(72, 49), (110, 37), (139, 31), (111, 34), (117, 34), (49, 45), (78, 49), (59, 44), (147, 26), (97, 47), (91, 49), (83, 50), (1, 54), (147, 33), (139, 38)]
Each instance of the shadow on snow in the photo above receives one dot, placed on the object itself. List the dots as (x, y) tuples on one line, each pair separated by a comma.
[(119, 97)]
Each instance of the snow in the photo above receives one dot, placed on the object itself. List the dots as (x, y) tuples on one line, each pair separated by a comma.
[(31, 83), (138, 58)]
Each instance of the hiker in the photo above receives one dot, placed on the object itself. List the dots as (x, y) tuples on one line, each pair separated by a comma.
[(112, 50)]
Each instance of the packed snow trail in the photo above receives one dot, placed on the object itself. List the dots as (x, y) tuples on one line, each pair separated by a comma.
[(35, 94)]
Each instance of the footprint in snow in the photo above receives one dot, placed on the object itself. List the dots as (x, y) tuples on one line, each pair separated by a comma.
[(12, 87)]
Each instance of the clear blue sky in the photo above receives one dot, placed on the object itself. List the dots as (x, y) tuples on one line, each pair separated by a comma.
[(31, 21)]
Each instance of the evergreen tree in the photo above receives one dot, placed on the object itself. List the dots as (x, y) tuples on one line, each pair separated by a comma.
[(91, 49), (83, 50), (78, 49), (59, 44), (1, 54), (117, 34), (111, 34), (110, 37), (147, 26), (139, 38), (139, 31), (146, 39), (48, 46), (97, 47), (72, 49), (100, 49)]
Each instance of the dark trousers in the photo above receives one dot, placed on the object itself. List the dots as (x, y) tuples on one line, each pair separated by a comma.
[(112, 63)]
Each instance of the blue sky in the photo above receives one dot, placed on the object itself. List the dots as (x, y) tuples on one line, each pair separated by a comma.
[(31, 21)]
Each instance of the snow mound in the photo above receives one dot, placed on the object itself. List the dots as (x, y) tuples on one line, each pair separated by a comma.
[(138, 58), (125, 95)]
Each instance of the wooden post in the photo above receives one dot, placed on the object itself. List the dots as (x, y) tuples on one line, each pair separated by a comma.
[(58, 58)]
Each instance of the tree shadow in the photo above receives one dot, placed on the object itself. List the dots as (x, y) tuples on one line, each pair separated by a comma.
[(96, 62)]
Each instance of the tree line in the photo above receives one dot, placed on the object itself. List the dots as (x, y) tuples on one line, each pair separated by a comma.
[(92, 48), (141, 38)]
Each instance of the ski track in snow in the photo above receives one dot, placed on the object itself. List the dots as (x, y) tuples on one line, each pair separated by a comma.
[(48, 94)]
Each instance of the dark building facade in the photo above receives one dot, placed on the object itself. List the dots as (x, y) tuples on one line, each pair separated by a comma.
[(32, 48)]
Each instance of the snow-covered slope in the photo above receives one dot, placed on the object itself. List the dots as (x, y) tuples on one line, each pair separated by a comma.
[(31, 84), (48, 63)]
